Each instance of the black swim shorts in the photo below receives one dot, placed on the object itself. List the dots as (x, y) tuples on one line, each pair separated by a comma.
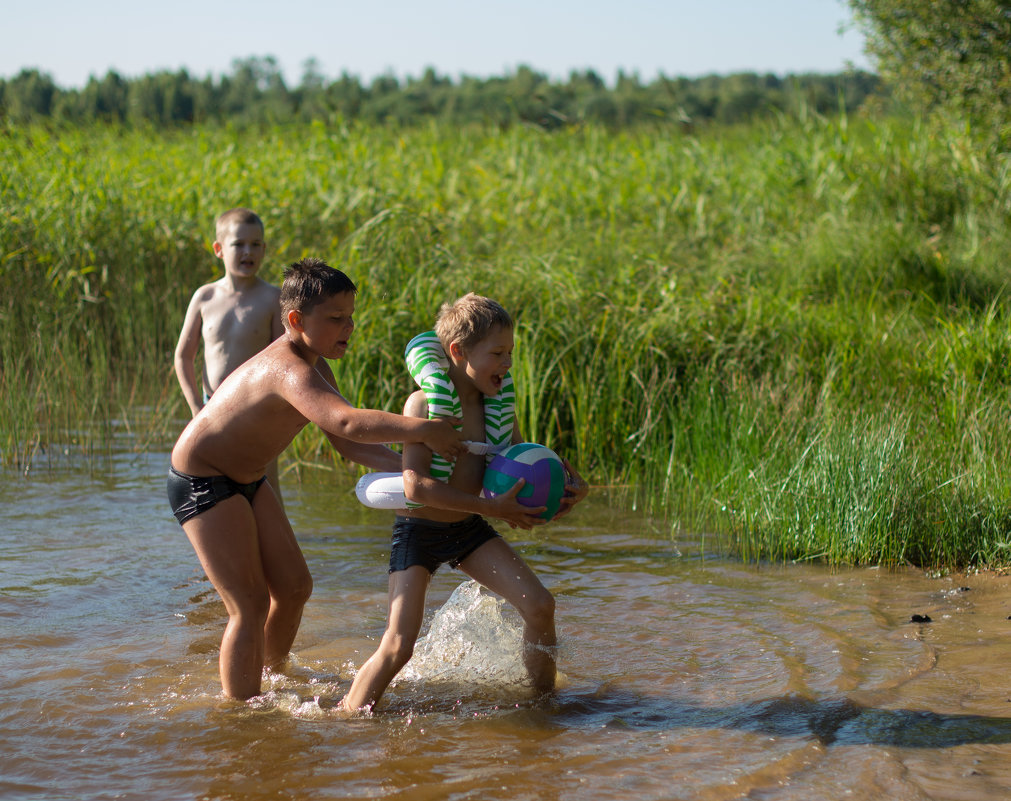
[(430, 543), (190, 496)]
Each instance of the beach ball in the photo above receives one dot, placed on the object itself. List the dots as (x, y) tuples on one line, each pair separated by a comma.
[(539, 466)]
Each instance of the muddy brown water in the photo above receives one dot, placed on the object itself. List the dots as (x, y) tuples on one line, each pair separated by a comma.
[(685, 676)]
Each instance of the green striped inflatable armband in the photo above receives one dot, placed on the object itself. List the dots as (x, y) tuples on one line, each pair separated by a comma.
[(429, 367)]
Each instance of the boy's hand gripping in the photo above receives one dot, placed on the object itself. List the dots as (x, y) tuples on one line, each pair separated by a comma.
[(576, 489), (442, 438), (506, 507)]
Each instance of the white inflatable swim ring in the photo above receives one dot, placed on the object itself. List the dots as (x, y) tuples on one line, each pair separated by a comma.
[(382, 490)]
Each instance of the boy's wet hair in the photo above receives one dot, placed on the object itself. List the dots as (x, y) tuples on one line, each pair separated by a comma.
[(310, 281), (238, 216), (469, 320)]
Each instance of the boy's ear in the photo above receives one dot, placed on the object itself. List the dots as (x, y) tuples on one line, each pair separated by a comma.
[(455, 350), (295, 319), (218, 250)]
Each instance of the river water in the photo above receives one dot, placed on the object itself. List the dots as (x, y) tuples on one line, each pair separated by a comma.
[(686, 676)]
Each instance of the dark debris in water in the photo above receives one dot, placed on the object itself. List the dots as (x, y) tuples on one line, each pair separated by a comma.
[(920, 619)]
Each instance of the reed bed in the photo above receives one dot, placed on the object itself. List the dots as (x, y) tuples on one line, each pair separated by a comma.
[(792, 335)]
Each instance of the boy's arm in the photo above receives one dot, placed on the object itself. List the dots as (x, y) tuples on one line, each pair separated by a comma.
[(372, 456), (318, 401), (186, 354), (420, 487)]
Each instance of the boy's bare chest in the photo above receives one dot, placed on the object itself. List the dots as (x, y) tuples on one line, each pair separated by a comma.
[(473, 421), (228, 318)]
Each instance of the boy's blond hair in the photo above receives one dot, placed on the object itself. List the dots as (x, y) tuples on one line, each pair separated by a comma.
[(469, 320), (238, 216)]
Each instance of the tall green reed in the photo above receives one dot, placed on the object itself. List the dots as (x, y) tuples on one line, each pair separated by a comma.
[(755, 332)]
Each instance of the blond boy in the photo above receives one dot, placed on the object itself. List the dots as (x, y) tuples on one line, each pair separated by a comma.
[(216, 483), (477, 336), (234, 317)]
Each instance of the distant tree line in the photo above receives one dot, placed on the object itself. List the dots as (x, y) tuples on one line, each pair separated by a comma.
[(255, 92)]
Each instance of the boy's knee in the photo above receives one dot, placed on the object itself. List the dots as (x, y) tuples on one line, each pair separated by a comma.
[(539, 608), (294, 593), (253, 609), (299, 592), (399, 650), (306, 588)]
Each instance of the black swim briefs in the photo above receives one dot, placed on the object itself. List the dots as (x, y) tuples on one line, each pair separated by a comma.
[(430, 543), (190, 496)]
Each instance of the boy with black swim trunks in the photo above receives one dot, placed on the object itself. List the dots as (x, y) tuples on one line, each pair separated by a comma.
[(230, 514), (476, 334), (232, 318)]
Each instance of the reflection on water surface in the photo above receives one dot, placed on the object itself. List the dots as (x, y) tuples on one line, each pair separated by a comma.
[(684, 677)]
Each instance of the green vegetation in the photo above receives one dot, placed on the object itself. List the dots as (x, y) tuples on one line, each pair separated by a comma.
[(943, 56), (792, 334), (255, 94)]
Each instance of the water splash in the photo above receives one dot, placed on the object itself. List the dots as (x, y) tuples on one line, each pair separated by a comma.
[(470, 642), (473, 647), (308, 689)]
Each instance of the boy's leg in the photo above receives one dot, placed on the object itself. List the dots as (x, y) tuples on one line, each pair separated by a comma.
[(226, 543), (499, 568), (274, 479), (407, 610), (287, 575)]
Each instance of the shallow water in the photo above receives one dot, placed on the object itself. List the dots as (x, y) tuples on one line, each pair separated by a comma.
[(684, 677)]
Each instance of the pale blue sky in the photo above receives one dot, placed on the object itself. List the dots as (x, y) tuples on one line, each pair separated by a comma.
[(72, 40)]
